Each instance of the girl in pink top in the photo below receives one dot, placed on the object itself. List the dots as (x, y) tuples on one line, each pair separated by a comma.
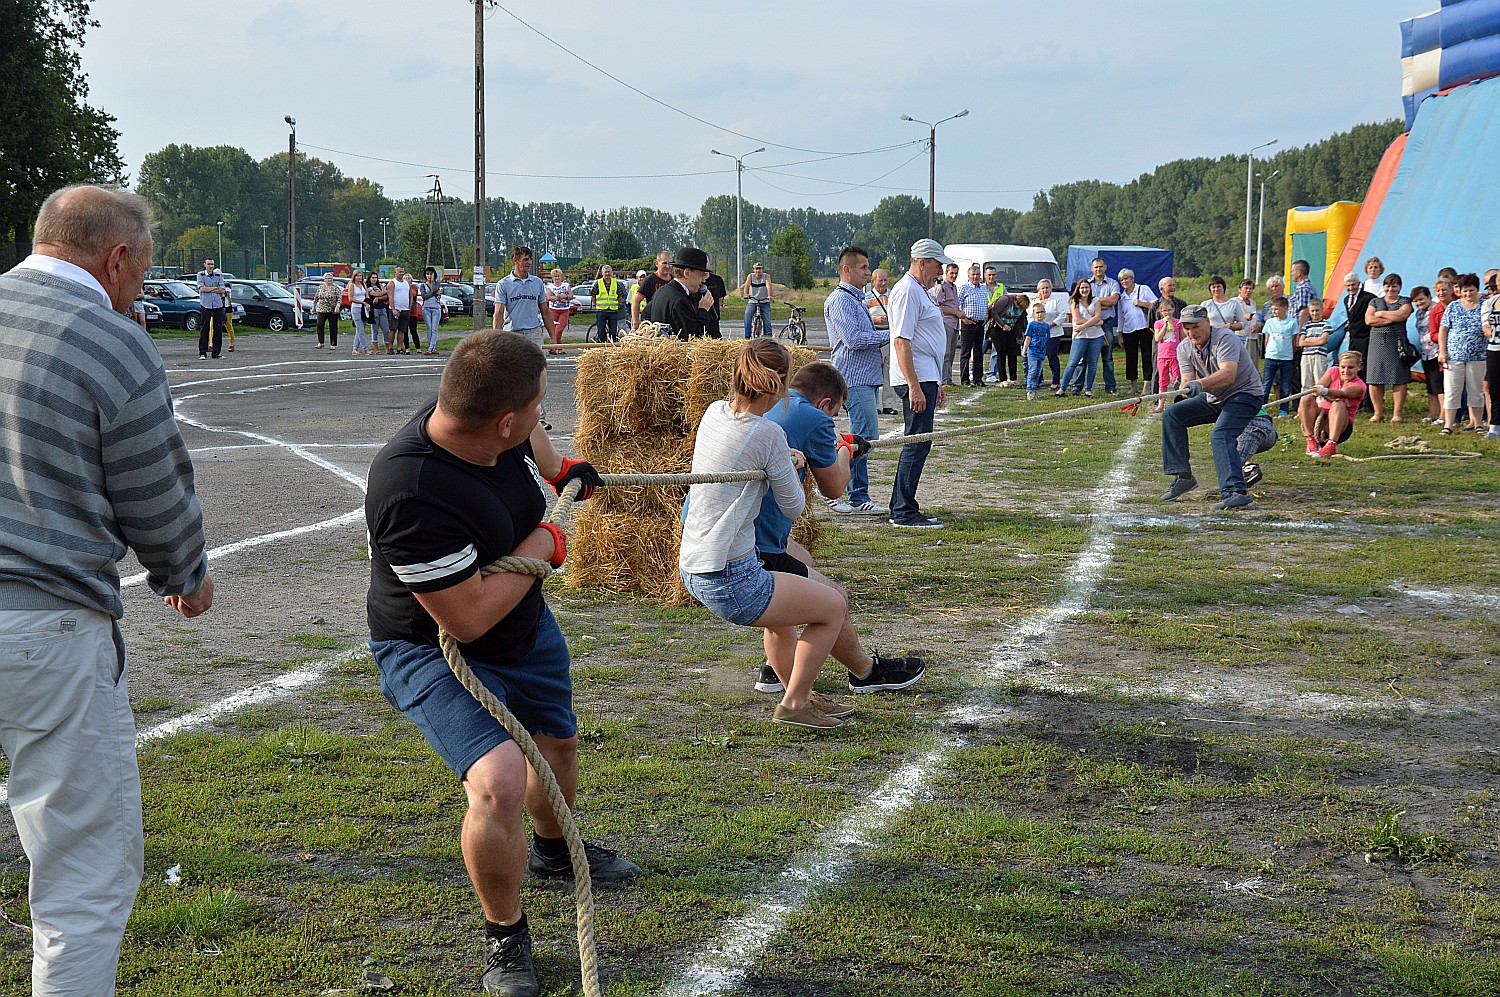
[(1168, 333), (1324, 423)]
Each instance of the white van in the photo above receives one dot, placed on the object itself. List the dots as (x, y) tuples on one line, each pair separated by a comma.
[(1019, 268)]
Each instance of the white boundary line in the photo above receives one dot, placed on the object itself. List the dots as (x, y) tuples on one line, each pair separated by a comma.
[(724, 963), (260, 541)]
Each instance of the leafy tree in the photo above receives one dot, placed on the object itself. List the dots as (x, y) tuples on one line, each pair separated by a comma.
[(192, 186), (49, 135), (620, 244), (205, 239), (792, 243), (896, 223)]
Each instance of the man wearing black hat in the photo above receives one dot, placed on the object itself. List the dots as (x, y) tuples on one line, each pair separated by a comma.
[(682, 303)]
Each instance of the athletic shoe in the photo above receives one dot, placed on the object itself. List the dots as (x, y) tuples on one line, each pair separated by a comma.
[(1493, 434), (318, 347), (925, 523), (839, 505), (1090, 394), (1031, 396), (1312, 446), (203, 356), (1181, 485), (889, 674), (828, 706), (871, 509), (1239, 500), (1328, 449), (768, 682), (809, 717), (1252, 475), (507, 966), (889, 411), (604, 865)]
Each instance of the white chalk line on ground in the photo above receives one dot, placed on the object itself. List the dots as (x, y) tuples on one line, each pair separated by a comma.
[(255, 695), (272, 446), (724, 963), (249, 543)]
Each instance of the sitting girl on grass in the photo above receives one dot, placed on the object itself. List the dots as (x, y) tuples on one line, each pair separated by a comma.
[(718, 562), (1328, 415)]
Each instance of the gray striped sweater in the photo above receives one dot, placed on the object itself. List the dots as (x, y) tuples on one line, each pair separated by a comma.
[(91, 460)]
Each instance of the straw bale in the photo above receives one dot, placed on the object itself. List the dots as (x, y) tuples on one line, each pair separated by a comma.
[(624, 556)]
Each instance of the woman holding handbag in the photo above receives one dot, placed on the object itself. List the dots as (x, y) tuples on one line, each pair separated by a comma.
[(1386, 366)]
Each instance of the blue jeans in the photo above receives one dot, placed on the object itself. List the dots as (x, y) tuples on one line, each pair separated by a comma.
[(433, 317), (609, 324), (764, 307), (1054, 348), (864, 420), (1084, 354), (1229, 420), (914, 456), (1035, 361), (1108, 354), (1279, 371)]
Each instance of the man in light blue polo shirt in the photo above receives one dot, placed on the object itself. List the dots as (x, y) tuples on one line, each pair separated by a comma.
[(211, 294), (518, 298), (917, 344)]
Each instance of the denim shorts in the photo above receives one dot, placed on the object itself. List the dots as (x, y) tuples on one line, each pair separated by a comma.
[(537, 688), (738, 594)]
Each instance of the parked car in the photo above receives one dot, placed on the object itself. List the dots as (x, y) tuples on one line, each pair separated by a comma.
[(582, 293), (463, 292), (308, 286), (177, 304), (153, 315), (266, 303)]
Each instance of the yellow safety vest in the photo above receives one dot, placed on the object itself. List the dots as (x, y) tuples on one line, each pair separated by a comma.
[(608, 296)]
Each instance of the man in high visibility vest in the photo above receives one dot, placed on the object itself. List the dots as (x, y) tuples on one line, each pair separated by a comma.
[(605, 297)]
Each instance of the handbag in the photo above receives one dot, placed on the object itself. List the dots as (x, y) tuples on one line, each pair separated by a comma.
[(1405, 352)]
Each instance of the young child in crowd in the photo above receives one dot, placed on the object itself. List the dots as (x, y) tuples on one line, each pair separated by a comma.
[(1168, 333), (1035, 348), (1312, 339), (1424, 306), (718, 561), (1280, 331), (1328, 416)]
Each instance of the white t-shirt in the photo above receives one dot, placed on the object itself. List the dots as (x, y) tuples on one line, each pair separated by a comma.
[(1132, 318), (565, 302), (916, 318), (1058, 312)]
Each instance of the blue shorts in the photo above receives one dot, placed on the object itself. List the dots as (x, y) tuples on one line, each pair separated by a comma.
[(738, 594), (538, 689)]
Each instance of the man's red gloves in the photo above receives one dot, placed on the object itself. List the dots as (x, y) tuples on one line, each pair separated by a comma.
[(581, 470), (857, 446)]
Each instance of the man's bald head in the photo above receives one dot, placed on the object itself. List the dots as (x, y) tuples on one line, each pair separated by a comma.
[(87, 222)]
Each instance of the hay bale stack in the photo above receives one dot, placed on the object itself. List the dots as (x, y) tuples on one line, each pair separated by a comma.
[(639, 405)]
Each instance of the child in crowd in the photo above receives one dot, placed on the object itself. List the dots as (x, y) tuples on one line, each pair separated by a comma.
[(1328, 415), (1035, 346), (1427, 332), (1168, 333), (1312, 339), (1280, 331), (718, 561)]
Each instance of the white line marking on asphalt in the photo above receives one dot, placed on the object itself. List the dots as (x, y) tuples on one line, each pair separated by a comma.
[(296, 448), (724, 963), (260, 541), (210, 381)]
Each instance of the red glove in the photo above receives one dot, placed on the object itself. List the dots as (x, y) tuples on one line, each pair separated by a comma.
[(580, 469), (858, 446), (559, 544)]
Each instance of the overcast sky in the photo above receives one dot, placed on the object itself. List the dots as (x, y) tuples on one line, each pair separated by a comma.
[(1056, 91)]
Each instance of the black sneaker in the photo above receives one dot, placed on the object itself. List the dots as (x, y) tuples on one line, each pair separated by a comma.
[(1252, 475), (604, 865), (1181, 485), (768, 682), (889, 674), (507, 966)]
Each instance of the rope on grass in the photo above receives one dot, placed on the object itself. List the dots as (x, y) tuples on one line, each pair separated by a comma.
[(1416, 448)]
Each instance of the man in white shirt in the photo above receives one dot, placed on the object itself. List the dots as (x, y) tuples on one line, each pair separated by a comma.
[(918, 341)]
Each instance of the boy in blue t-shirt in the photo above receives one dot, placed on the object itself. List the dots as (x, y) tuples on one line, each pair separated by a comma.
[(1280, 332), (818, 393), (1037, 332)]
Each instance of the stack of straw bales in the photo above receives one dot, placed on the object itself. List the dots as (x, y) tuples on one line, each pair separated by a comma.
[(639, 405)]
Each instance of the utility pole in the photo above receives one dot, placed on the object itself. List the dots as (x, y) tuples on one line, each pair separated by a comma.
[(1260, 230), (739, 201), (438, 218), (361, 243), (479, 207), (265, 262), (932, 167), (1249, 184), (291, 193)]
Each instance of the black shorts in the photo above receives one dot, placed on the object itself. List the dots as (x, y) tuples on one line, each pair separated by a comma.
[(783, 562)]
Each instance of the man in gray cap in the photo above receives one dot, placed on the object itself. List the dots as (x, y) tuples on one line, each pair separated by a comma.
[(918, 341), (1221, 387)]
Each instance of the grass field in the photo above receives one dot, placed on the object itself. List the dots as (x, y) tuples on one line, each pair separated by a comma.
[(1160, 752)]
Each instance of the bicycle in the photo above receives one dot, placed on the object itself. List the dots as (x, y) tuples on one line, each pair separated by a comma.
[(757, 325), (795, 330)]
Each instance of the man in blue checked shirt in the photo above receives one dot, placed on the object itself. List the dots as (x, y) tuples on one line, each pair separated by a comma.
[(857, 347), (974, 302)]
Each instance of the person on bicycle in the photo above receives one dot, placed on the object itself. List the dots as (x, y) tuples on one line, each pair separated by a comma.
[(756, 290)]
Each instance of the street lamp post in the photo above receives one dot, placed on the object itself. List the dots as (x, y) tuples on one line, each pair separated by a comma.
[(1249, 182), (361, 243), (739, 199), (291, 195), (383, 223), (932, 167), (265, 262), (220, 257), (1260, 229)]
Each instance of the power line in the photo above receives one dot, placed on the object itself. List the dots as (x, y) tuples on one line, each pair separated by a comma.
[(941, 190), (658, 101), (843, 190), (526, 176)]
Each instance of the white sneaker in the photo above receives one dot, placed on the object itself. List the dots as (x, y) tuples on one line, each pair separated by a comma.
[(839, 505), (871, 509)]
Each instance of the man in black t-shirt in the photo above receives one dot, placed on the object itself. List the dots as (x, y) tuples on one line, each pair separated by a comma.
[(646, 288), (461, 485)]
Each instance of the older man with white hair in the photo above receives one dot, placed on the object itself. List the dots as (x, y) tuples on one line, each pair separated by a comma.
[(917, 344)]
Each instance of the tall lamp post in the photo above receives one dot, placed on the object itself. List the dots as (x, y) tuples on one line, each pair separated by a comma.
[(291, 195), (361, 243), (1260, 228), (220, 226), (932, 166), (1249, 182), (265, 262), (739, 200), (383, 223)]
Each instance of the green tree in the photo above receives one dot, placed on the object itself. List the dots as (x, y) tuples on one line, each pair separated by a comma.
[(204, 239), (49, 135), (896, 223), (191, 186), (792, 243), (620, 244)]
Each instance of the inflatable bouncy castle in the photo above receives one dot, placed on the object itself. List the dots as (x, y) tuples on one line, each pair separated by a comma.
[(1318, 235), (1423, 210)]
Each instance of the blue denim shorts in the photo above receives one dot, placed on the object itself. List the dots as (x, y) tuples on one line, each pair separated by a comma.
[(538, 689), (738, 594)]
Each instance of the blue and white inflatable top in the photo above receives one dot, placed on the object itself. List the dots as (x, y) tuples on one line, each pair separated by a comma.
[(1456, 44)]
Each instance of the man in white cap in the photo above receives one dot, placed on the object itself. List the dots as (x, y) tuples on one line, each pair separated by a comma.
[(918, 341)]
